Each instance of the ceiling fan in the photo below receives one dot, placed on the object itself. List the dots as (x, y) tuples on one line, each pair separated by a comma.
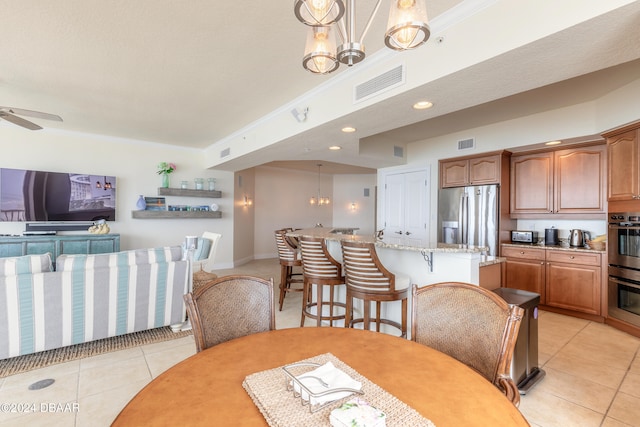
[(11, 114)]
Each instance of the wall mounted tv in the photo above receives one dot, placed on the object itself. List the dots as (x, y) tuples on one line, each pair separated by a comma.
[(54, 200)]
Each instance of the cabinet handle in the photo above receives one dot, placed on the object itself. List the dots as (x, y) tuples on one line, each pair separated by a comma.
[(542, 263), (398, 232), (571, 257), (521, 252), (407, 233)]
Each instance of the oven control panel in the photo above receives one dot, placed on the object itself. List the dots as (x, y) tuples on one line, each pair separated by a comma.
[(624, 218)]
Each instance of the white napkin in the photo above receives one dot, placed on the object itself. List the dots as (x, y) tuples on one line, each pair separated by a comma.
[(333, 377)]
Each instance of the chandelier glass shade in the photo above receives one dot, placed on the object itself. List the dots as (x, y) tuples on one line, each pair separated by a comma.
[(320, 51), (407, 28)]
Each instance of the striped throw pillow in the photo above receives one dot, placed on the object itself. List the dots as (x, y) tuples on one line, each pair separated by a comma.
[(25, 264)]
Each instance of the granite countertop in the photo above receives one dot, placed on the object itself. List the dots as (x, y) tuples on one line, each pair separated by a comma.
[(555, 247), (331, 234), (490, 260)]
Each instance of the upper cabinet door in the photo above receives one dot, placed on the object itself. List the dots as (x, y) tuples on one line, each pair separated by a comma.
[(623, 180), (485, 170), (454, 173), (532, 184), (580, 180)]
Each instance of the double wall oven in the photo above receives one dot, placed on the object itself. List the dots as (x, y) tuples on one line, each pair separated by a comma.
[(624, 267)]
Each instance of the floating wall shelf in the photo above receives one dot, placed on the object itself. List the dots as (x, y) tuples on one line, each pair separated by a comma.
[(175, 214), (181, 192), (215, 194)]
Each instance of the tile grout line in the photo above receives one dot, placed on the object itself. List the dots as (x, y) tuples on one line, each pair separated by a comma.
[(620, 386)]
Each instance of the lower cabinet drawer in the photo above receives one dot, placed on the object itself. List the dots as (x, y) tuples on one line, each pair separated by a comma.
[(586, 258)]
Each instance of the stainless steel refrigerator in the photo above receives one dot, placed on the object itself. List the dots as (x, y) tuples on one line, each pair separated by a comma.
[(469, 216)]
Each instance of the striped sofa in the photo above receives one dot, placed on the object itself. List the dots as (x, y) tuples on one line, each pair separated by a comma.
[(88, 297)]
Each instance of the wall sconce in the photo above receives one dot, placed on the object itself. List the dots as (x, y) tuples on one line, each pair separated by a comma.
[(247, 201), (353, 206)]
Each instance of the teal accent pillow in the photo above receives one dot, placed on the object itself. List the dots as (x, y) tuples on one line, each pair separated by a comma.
[(25, 264), (204, 247)]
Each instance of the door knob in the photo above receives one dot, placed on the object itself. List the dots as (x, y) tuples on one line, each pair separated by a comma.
[(398, 232), (407, 233)]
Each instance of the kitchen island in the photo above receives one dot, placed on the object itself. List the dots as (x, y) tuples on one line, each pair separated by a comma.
[(424, 264)]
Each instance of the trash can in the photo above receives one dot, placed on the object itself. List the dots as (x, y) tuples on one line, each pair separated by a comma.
[(524, 365)]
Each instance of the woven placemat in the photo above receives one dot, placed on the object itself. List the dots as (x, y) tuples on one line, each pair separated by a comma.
[(268, 390)]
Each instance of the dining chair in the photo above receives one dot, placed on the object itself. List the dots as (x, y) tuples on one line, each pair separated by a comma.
[(368, 280), (230, 307), (290, 258), (321, 269), (471, 324)]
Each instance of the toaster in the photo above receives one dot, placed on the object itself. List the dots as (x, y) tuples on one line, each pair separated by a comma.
[(524, 236)]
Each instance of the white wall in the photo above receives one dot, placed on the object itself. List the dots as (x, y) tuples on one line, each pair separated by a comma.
[(348, 190), (134, 165), (282, 200), (244, 216)]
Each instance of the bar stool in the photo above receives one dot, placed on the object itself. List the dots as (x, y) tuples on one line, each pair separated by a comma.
[(367, 279), (321, 269), (289, 258)]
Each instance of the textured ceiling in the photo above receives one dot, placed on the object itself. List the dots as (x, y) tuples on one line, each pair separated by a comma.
[(193, 72), (184, 72)]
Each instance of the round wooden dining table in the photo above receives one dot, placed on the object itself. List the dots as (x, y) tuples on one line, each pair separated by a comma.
[(206, 388)]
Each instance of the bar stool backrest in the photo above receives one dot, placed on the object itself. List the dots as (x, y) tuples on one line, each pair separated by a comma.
[(286, 252), (363, 269), (317, 262)]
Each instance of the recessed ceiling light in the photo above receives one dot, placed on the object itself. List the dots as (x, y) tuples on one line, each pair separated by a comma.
[(422, 105), (348, 129), (553, 143), (335, 147)]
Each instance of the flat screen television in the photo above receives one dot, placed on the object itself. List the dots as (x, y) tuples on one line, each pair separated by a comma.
[(56, 198)]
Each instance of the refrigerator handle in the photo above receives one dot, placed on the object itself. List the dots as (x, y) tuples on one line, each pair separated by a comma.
[(463, 217)]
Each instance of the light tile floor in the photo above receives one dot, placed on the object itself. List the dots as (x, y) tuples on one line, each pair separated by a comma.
[(592, 375)]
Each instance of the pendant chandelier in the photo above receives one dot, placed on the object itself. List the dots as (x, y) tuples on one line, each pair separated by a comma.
[(407, 28), (319, 200)]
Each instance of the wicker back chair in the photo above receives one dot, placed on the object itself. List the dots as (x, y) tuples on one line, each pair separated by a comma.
[(230, 307), (471, 324), (321, 269), (367, 279), (289, 257)]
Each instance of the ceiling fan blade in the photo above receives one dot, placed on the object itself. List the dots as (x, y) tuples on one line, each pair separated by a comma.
[(18, 121), (31, 113)]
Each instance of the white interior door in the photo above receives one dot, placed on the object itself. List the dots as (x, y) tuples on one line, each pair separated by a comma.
[(406, 208)]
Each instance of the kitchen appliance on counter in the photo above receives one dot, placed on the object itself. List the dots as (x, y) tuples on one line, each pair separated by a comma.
[(551, 236), (577, 238), (624, 267), (524, 237), (469, 216)]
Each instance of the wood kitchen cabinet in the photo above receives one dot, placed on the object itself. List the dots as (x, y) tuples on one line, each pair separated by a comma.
[(567, 182), (573, 281), (473, 170), (525, 269), (568, 281), (623, 163)]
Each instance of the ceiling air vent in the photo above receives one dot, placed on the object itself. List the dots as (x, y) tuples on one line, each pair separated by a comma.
[(466, 144), (225, 152), (398, 151), (385, 81)]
